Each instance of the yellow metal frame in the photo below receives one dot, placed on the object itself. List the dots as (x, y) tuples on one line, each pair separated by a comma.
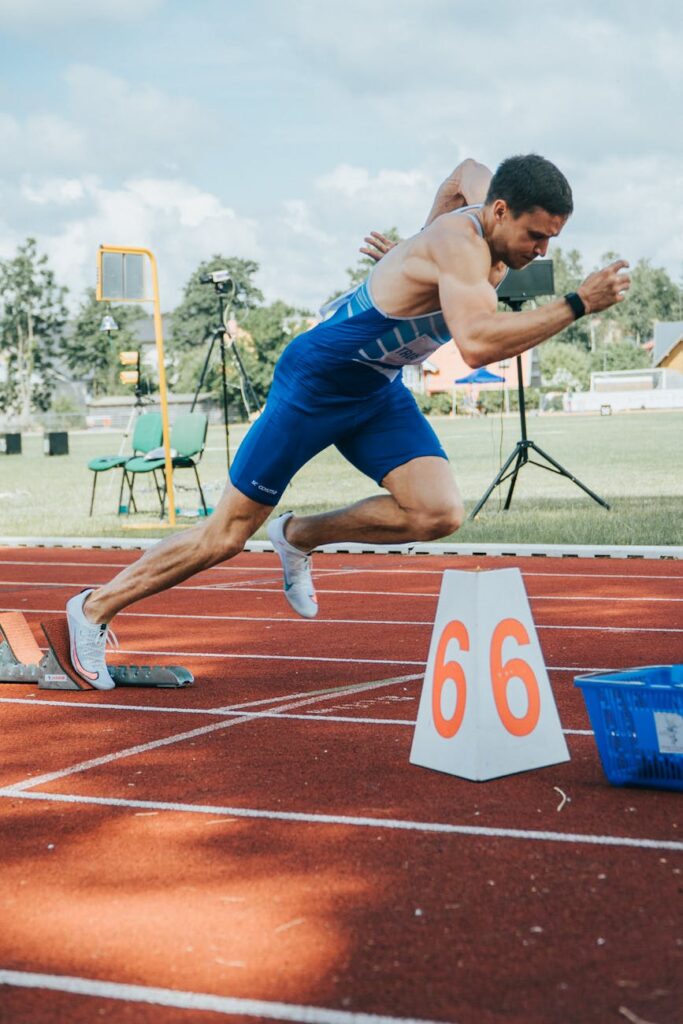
[(125, 250)]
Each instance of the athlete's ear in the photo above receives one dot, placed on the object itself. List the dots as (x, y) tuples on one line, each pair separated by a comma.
[(500, 209)]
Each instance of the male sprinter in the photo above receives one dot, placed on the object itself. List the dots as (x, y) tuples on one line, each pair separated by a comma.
[(340, 384)]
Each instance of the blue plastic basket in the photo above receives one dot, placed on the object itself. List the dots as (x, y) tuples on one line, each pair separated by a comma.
[(637, 718)]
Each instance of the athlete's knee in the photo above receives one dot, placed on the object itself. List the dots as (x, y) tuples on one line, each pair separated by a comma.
[(219, 542), (435, 521)]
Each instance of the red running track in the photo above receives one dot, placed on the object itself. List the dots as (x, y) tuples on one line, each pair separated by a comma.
[(259, 847)]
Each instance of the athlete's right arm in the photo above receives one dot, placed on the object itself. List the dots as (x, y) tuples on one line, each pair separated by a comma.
[(469, 302)]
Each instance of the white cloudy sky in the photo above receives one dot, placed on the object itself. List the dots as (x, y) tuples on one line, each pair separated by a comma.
[(283, 130)]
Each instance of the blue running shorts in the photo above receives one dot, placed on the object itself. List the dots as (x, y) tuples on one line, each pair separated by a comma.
[(376, 433)]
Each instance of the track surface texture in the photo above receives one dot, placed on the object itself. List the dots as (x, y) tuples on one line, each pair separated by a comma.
[(258, 847)]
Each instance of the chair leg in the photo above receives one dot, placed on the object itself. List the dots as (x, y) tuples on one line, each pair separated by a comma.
[(124, 479), (201, 492), (131, 500), (156, 484), (162, 494), (92, 496)]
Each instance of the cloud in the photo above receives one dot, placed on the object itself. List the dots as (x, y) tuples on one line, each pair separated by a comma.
[(133, 128), (40, 140), (39, 16), (181, 224)]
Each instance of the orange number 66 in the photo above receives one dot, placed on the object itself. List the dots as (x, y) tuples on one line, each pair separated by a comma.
[(501, 674)]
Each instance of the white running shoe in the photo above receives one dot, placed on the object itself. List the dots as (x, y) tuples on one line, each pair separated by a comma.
[(296, 566), (87, 645)]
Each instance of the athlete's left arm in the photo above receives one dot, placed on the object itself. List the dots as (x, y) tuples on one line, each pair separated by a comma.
[(467, 185), (464, 186)]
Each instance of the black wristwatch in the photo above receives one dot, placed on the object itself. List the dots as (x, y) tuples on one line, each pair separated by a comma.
[(576, 304)]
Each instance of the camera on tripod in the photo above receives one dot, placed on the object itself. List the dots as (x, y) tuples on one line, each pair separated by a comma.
[(220, 279)]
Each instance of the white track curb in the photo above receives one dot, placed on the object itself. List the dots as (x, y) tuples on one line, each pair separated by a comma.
[(477, 550)]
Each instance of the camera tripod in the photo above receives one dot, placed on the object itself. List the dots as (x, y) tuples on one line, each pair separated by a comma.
[(225, 287), (520, 453)]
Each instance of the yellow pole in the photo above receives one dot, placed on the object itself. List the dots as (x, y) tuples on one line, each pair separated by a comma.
[(159, 338), (163, 395)]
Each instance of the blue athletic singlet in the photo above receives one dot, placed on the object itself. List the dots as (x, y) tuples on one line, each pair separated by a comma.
[(340, 384), (333, 357)]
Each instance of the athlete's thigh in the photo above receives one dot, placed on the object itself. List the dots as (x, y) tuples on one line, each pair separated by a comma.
[(425, 483), (392, 433), (286, 436)]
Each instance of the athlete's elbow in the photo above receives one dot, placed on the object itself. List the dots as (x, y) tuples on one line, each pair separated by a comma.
[(471, 352)]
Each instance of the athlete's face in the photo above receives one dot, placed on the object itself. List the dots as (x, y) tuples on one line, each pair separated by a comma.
[(519, 240)]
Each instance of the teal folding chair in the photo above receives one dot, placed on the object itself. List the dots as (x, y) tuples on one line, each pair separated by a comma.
[(147, 436), (188, 437)]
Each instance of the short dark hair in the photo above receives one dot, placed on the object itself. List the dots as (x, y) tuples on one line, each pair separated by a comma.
[(525, 182)]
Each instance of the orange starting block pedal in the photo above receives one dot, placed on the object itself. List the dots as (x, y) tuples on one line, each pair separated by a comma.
[(22, 660)]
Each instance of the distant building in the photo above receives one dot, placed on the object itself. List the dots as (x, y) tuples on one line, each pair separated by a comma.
[(667, 350), (450, 366)]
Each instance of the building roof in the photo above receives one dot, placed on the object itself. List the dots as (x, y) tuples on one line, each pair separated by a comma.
[(667, 336)]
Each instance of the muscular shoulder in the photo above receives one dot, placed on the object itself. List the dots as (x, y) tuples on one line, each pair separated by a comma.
[(451, 245)]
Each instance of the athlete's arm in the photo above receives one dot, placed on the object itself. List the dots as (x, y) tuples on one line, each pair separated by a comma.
[(469, 302), (465, 186)]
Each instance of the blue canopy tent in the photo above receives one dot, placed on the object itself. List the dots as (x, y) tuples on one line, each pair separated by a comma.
[(480, 376)]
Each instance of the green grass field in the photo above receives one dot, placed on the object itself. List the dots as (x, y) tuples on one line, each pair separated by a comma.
[(633, 460)]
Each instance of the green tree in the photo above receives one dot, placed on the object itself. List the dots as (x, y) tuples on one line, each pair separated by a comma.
[(195, 319), (569, 273), (92, 354), (564, 366), (652, 296), (198, 313), (620, 355), (270, 328), (32, 318)]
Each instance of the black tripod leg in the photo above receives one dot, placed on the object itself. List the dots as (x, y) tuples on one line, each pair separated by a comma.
[(564, 472), (92, 497), (521, 459), (205, 367), (499, 478)]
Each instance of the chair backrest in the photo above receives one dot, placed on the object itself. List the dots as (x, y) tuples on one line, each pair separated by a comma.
[(148, 433), (188, 434)]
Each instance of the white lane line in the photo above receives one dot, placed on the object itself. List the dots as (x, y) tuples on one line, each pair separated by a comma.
[(626, 577), (343, 690), (297, 620), (322, 717), (258, 588), (391, 824), (272, 657), (219, 655), (198, 1001), (347, 690), (142, 748)]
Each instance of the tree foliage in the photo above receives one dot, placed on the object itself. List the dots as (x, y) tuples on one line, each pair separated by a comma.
[(32, 318), (197, 315), (652, 296), (264, 331), (92, 354)]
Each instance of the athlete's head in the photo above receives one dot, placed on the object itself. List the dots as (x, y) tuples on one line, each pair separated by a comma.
[(528, 202)]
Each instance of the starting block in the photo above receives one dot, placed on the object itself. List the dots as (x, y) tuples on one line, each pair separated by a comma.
[(22, 660)]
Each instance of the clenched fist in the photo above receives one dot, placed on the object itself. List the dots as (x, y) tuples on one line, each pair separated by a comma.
[(606, 287)]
